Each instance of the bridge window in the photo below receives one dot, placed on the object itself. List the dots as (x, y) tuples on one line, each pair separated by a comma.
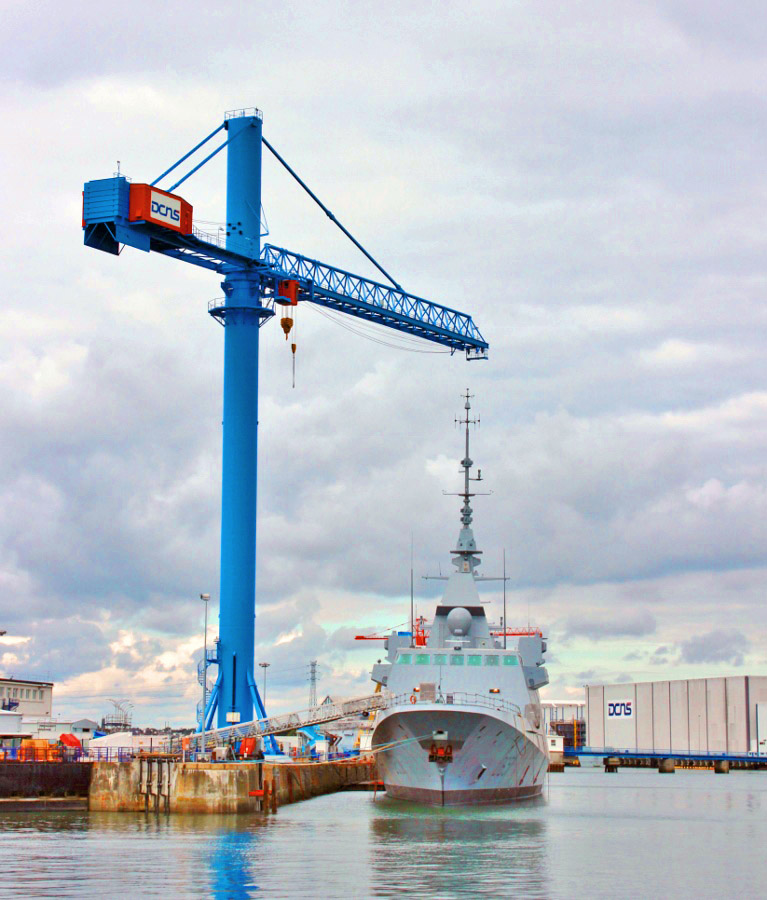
[(404, 659), (456, 660), (491, 660), (510, 661), (440, 659), (475, 660), (422, 659)]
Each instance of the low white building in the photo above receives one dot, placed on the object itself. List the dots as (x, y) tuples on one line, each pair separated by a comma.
[(52, 729), (11, 725), (30, 698), (126, 740)]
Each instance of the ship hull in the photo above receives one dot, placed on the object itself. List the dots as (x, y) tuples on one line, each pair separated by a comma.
[(495, 757)]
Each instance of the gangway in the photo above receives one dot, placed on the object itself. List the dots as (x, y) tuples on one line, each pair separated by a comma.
[(330, 712), (317, 715)]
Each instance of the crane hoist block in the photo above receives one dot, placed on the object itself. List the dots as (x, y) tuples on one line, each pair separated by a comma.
[(160, 208), (287, 293)]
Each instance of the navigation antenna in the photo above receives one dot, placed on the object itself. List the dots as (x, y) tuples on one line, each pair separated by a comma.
[(467, 556), (467, 462)]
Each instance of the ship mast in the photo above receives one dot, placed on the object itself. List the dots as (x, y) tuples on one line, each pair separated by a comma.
[(467, 555)]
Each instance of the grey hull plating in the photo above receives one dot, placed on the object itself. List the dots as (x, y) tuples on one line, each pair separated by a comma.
[(493, 759)]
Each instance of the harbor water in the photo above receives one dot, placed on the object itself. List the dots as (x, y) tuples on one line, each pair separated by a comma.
[(630, 834)]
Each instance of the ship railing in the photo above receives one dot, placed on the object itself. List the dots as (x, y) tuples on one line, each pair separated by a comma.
[(456, 698)]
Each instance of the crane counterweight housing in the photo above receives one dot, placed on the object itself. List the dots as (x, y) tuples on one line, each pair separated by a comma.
[(114, 211)]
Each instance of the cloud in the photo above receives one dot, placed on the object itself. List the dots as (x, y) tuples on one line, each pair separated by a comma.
[(717, 646), (631, 624)]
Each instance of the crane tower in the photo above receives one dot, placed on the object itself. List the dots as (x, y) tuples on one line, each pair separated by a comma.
[(255, 280)]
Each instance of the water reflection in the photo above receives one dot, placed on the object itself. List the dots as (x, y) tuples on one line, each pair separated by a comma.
[(688, 835), (481, 851), (231, 865)]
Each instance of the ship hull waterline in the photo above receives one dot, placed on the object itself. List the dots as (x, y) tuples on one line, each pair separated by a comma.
[(494, 760)]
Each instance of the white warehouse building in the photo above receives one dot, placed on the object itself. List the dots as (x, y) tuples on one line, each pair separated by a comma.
[(697, 715), (30, 698)]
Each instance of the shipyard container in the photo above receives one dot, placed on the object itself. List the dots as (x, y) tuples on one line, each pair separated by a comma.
[(698, 715)]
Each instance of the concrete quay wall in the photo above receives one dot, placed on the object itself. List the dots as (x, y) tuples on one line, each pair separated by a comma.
[(44, 779), (214, 787)]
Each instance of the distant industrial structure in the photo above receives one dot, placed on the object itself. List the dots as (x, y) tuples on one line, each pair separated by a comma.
[(567, 719), (697, 716)]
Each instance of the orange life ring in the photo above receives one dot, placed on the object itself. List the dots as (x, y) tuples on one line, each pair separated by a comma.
[(413, 698)]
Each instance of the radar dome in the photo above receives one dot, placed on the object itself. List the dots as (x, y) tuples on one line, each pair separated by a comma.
[(459, 621)]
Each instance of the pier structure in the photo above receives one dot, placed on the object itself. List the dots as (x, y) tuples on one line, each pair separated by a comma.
[(160, 785), (667, 761)]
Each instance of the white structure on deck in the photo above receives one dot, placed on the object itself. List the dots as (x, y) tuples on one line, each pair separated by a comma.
[(696, 715)]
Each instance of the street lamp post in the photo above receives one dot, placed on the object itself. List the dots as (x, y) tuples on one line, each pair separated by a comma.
[(205, 599), (264, 666)]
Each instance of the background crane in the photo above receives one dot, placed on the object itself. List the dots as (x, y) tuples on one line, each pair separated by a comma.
[(117, 213)]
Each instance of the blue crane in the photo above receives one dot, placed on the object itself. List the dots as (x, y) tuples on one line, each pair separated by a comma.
[(256, 279)]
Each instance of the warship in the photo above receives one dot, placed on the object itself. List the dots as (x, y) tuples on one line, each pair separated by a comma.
[(462, 722)]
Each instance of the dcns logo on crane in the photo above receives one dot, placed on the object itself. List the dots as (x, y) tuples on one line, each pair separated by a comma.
[(164, 211), (620, 710)]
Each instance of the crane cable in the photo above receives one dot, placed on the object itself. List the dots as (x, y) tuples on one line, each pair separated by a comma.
[(328, 213), (370, 337)]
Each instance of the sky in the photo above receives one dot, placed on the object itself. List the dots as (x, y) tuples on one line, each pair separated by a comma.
[(585, 179)]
